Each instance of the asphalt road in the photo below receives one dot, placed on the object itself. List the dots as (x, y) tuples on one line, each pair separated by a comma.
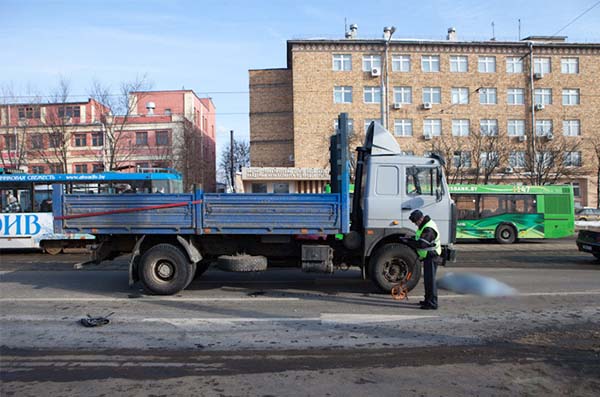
[(284, 332)]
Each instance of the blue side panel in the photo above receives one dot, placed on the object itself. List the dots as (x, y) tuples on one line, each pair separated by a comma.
[(179, 220), (345, 173), (271, 213)]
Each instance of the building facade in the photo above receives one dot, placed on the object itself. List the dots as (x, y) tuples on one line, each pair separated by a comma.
[(511, 112), (160, 129)]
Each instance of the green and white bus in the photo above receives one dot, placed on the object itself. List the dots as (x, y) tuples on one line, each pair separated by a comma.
[(510, 212)]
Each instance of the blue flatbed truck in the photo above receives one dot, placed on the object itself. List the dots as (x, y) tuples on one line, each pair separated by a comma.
[(174, 237)]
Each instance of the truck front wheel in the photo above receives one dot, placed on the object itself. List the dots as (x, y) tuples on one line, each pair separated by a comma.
[(164, 270), (392, 265)]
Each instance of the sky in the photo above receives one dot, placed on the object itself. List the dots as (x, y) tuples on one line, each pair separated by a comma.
[(209, 46)]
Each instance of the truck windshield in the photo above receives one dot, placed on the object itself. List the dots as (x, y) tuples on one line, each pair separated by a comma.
[(423, 181)]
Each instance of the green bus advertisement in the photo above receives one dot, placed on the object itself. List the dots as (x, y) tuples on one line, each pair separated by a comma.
[(508, 213)]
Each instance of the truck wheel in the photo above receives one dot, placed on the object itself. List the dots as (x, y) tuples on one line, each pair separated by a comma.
[(391, 265), (164, 270), (53, 250), (242, 263), (506, 234)]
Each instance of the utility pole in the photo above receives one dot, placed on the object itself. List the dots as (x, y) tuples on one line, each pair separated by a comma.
[(231, 162), (387, 37)]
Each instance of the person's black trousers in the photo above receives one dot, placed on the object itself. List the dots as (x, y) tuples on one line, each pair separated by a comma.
[(429, 270)]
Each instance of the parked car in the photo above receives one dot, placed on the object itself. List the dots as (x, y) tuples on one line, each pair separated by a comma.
[(587, 214)]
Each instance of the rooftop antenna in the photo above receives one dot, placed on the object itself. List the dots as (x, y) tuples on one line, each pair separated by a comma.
[(519, 29), (493, 31), (345, 25)]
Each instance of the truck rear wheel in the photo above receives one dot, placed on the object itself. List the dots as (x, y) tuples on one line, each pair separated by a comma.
[(391, 266), (164, 270)]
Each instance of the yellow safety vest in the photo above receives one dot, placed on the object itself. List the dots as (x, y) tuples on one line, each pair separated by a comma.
[(438, 245)]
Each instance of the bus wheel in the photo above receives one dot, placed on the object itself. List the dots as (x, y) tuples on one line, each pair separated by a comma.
[(164, 270), (53, 250), (506, 234), (391, 266)]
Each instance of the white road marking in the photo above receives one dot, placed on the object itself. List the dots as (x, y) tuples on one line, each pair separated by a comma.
[(324, 318), (526, 294), (151, 299)]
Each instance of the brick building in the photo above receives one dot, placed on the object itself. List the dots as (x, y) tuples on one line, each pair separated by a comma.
[(437, 94), (161, 129)]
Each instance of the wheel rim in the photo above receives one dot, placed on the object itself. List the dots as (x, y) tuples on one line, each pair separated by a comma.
[(395, 270), (505, 234), (164, 270)]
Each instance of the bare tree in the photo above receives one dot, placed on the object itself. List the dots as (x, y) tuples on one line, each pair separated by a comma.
[(457, 159), (114, 112), (189, 155), (14, 145), (241, 158), (487, 153), (552, 160)]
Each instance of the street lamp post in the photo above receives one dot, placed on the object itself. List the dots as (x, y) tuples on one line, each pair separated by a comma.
[(388, 31)]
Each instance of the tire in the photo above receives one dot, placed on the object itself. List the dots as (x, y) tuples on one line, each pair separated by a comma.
[(164, 270), (391, 264), (242, 263), (53, 250), (191, 274), (506, 234)]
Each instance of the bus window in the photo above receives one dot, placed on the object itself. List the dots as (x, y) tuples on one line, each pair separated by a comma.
[(465, 205)]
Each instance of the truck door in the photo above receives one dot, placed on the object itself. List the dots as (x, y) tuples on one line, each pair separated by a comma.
[(424, 189)]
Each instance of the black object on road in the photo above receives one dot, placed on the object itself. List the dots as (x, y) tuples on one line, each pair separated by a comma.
[(90, 321)]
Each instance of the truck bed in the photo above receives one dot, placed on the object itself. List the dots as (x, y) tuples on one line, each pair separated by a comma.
[(197, 213)]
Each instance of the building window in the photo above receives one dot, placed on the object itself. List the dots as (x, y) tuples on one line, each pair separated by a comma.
[(576, 189), (486, 65), (544, 158), (432, 95), (488, 159), (487, 96), (80, 140), (430, 63), (571, 128), (29, 112), (281, 187), (570, 96), (403, 127), (37, 141), (350, 126), (403, 95), (162, 138), (460, 96), (543, 96), (168, 112), (516, 159), (400, 63), (516, 128), (10, 142), (69, 111), (141, 138), (432, 127), (97, 139), (342, 62), (371, 62), (368, 123), (569, 65), (516, 96), (372, 95), (459, 64), (96, 168), (488, 127), (460, 127), (259, 187), (81, 168), (38, 169), (514, 65), (342, 94), (572, 159), (543, 127), (541, 65), (55, 168), (461, 159), (54, 140)]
